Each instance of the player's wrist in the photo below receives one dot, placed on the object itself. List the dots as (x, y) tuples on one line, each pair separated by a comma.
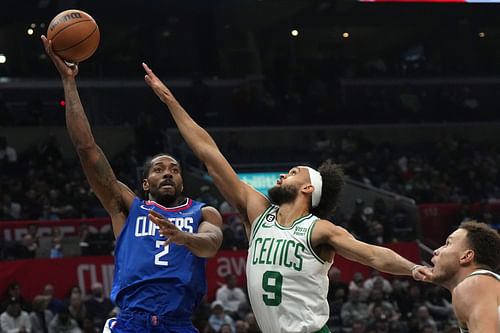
[(414, 268)]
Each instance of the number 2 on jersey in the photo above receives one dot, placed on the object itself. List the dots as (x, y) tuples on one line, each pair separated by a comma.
[(159, 255), (274, 289)]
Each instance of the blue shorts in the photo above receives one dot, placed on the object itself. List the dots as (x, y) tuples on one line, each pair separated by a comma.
[(135, 321)]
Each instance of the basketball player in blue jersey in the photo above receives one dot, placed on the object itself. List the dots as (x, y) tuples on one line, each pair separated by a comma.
[(292, 244), (161, 243), (468, 265)]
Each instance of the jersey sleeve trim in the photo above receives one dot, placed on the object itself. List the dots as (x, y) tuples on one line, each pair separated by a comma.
[(309, 243)]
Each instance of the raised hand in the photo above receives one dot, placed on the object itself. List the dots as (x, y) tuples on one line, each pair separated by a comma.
[(158, 87), (168, 229), (65, 69)]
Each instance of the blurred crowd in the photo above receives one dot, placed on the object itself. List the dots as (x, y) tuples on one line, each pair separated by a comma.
[(366, 304)]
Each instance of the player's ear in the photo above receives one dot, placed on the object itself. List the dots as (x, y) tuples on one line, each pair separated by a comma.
[(308, 188), (467, 256), (145, 185)]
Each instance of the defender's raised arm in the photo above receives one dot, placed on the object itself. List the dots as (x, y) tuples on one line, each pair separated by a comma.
[(240, 195)]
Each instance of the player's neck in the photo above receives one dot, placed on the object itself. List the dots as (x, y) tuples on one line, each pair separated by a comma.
[(289, 212), (461, 275)]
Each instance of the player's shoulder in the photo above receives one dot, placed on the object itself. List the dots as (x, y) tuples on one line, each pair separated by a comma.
[(479, 284), (325, 229)]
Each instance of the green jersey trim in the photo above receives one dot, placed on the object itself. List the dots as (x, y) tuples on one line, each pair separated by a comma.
[(260, 221), (297, 221), (309, 243)]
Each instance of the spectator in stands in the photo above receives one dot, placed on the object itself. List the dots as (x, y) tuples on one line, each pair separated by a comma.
[(425, 319), (357, 282), (335, 282), (56, 250), (219, 316), (84, 233), (240, 326), (401, 222), (358, 326), (14, 319), (49, 150), (88, 326), (369, 283), (207, 197), (54, 304), (8, 156), (225, 328), (77, 308), (378, 235), (22, 250), (358, 223), (377, 300), (14, 291), (40, 316), (399, 297), (226, 208), (231, 296), (439, 307), (63, 323), (47, 213), (99, 307), (9, 209), (353, 310), (253, 327), (415, 296)]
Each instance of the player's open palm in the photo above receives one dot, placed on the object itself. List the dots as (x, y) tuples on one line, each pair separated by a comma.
[(64, 69), (155, 83), (167, 229)]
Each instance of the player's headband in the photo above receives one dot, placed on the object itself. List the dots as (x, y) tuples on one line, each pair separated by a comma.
[(317, 182)]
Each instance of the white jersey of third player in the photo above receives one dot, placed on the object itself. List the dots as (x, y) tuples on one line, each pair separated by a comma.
[(496, 276), (287, 281)]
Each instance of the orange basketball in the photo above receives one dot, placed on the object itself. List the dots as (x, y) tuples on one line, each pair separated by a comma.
[(74, 34)]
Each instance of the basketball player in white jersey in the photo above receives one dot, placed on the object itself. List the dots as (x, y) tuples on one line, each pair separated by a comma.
[(466, 266), (292, 245)]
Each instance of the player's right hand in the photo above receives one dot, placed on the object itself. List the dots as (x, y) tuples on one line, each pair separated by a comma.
[(66, 70), (422, 273)]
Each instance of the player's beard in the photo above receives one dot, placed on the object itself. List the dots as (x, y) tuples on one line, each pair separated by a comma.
[(283, 194), (167, 200), (442, 275)]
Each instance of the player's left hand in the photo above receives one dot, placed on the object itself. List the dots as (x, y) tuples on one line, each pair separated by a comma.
[(168, 229), (157, 85), (422, 273)]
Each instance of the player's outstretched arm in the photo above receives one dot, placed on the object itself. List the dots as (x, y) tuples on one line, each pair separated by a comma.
[(378, 257), (240, 195), (475, 304), (114, 195), (205, 243)]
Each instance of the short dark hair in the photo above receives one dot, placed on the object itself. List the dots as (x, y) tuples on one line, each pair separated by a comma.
[(332, 175), (147, 165), (485, 242)]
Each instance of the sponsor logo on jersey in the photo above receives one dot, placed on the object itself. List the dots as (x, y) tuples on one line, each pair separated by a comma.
[(300, 231)]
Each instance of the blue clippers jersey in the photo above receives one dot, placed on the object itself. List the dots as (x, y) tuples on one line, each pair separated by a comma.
[(150, 277)]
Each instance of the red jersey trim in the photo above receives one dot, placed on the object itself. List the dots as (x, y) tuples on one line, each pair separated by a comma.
[(174, 209)]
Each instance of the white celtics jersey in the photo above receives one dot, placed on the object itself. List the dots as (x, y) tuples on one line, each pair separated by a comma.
[(484, 272), (287, 281)]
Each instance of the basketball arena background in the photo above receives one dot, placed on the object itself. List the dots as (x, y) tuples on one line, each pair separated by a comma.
[(403, 94)]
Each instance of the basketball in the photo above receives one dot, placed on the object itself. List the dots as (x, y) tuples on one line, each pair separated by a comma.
[(74, 34)]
